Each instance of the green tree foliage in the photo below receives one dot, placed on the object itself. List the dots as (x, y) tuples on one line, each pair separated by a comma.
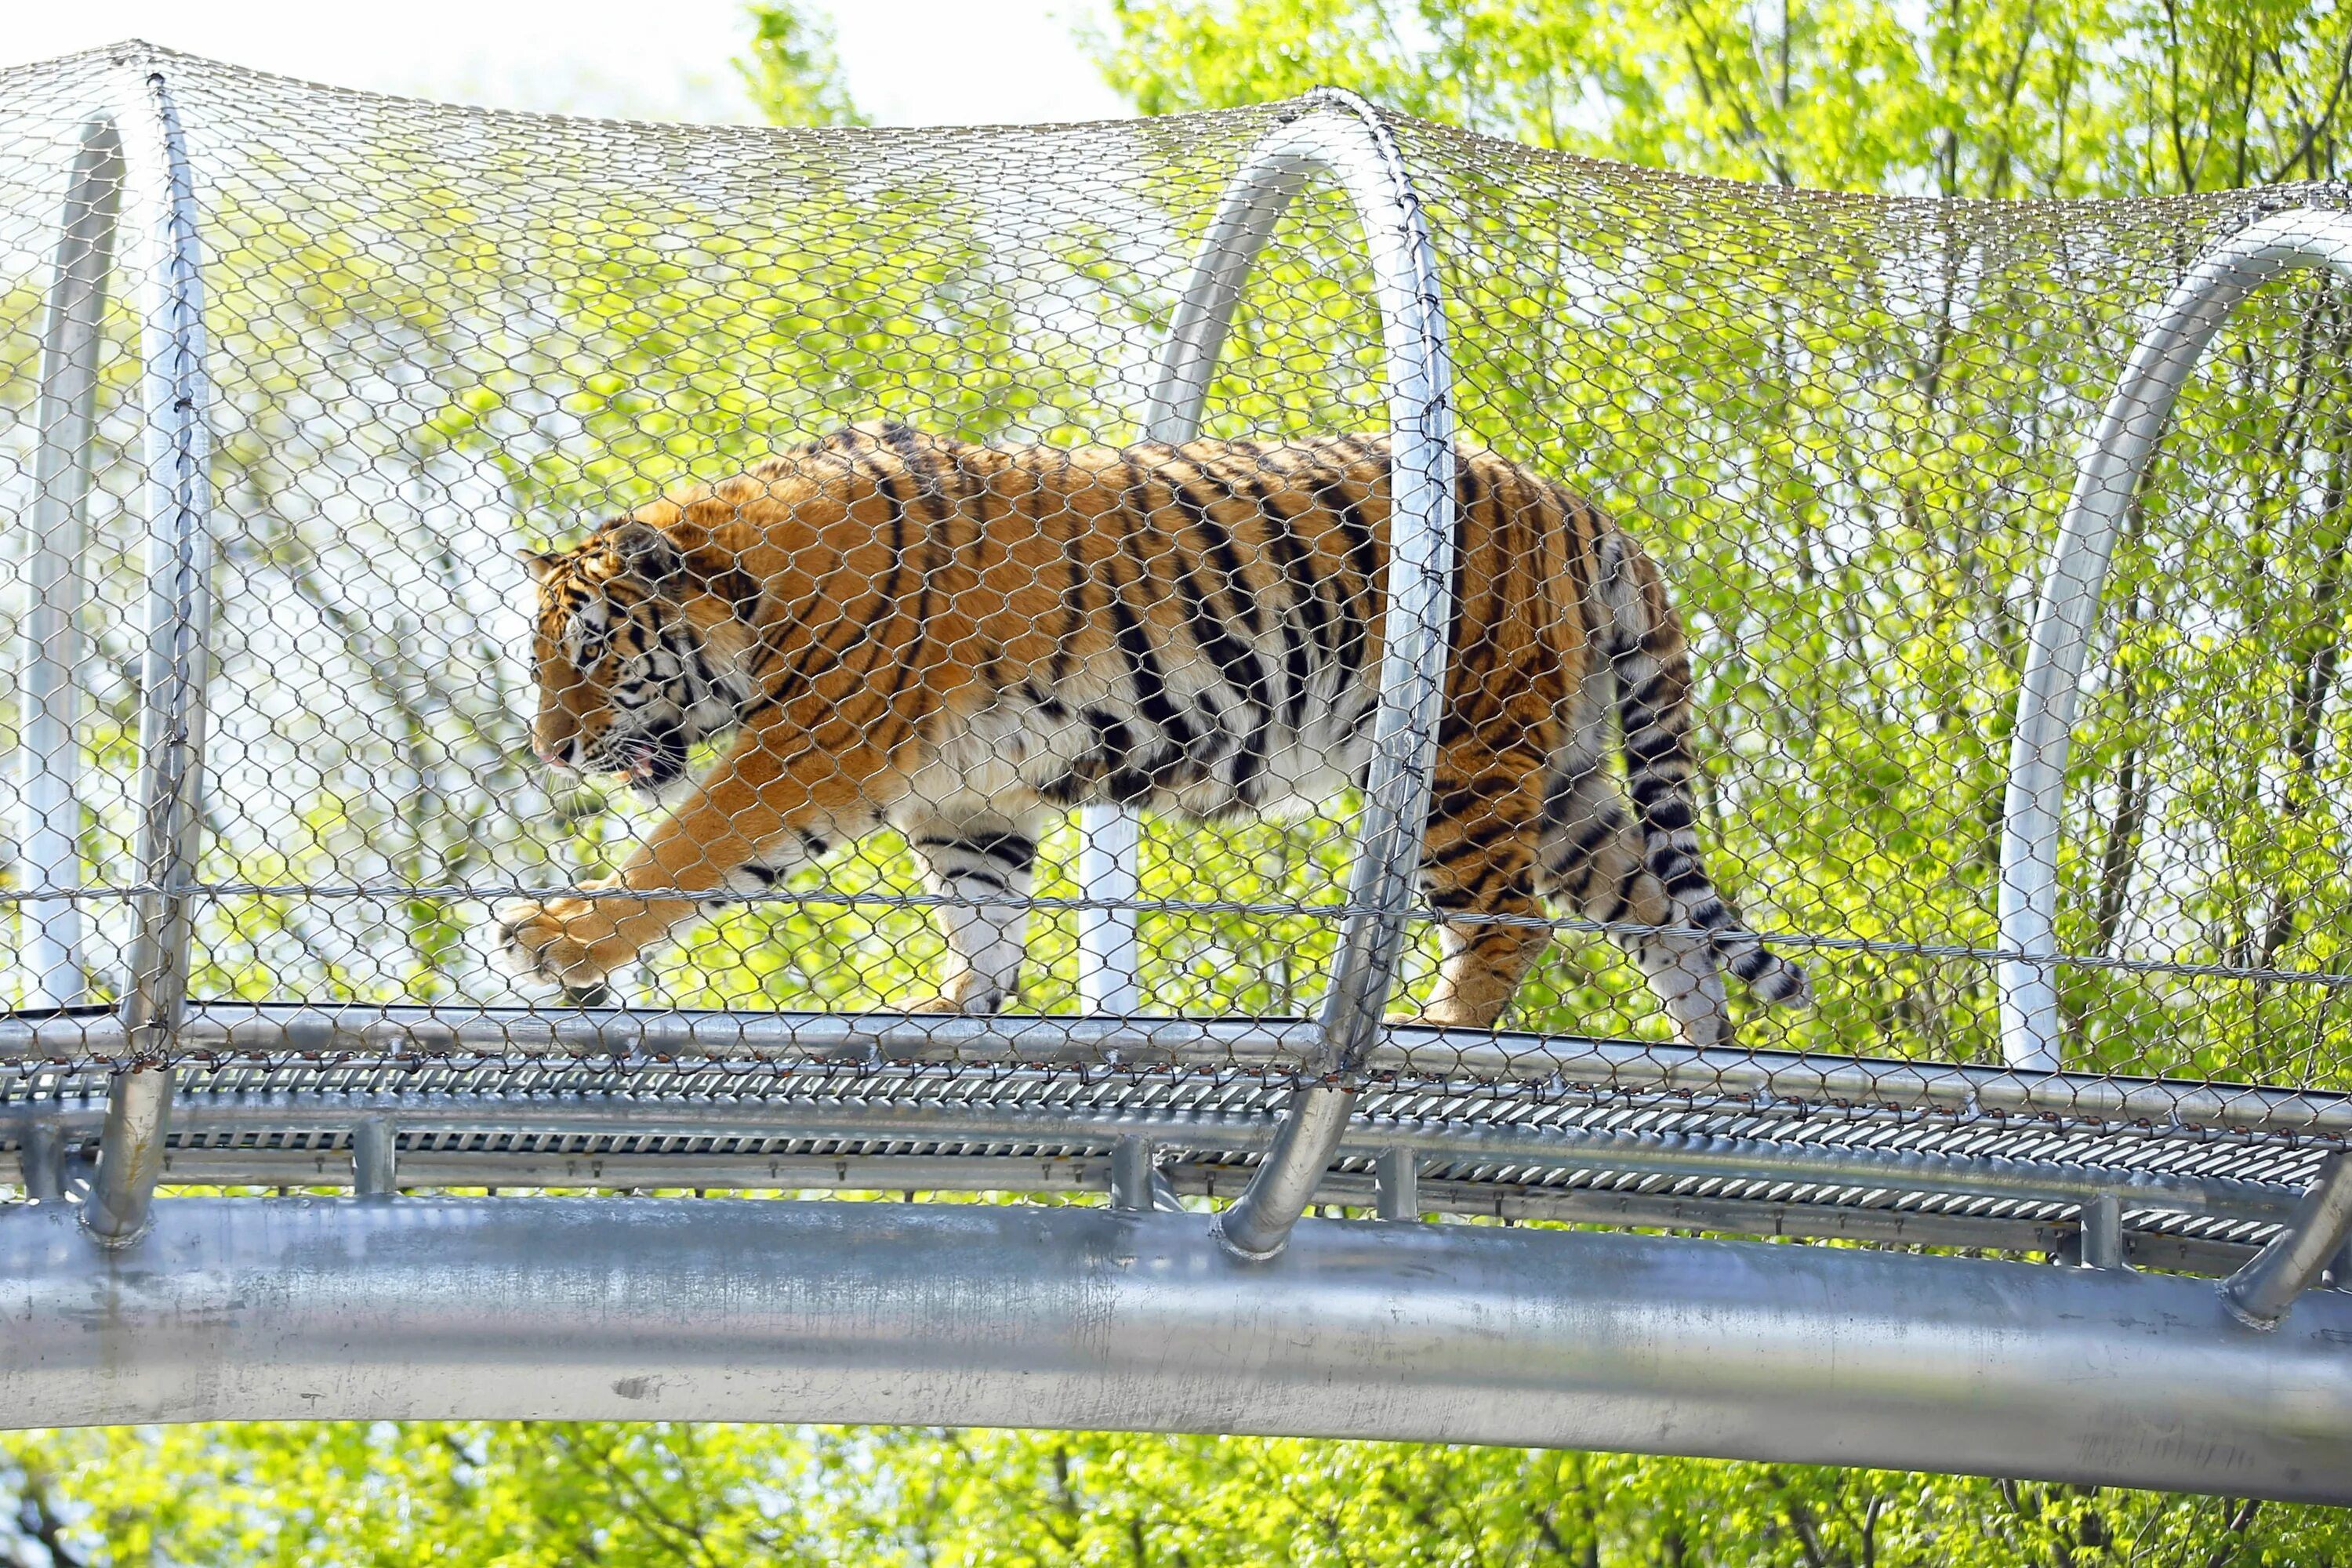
[(2009, 97), (477, 1495), (792, 74), (1693, 378)]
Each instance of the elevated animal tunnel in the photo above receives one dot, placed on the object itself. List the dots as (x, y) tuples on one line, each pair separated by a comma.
[(1291, 686)]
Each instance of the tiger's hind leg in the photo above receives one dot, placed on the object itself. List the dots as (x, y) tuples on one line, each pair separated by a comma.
[(1480, 859), (980, 868), (1593, 856)]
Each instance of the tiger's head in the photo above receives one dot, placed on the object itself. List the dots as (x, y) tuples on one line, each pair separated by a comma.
[(638, 655)]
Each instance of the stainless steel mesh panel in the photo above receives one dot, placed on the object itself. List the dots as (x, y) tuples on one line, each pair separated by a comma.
[(830, 455)]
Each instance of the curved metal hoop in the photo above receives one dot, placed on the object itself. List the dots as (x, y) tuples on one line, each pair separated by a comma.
[(64, 421), (2105, 477), (1339, 135), (178, 450)]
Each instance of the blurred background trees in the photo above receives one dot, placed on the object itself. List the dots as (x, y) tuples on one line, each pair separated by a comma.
[(2006, 99)]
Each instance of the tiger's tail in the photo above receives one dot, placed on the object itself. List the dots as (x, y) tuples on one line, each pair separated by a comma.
[(1650, 662)]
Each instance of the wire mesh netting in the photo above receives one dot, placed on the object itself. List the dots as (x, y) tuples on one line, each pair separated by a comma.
[(721, 575)]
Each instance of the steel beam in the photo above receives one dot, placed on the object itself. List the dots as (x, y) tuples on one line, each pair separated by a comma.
[(329, 1167), (1398, 1186), (982, 1315)]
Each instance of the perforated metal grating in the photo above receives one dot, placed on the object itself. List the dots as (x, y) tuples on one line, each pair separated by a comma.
[(1844, 429)]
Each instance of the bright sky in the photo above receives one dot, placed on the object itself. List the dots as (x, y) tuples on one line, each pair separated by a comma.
[(910, 61)]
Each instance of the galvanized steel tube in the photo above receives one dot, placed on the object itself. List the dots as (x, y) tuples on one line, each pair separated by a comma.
[(130, 1155), (64, 424), (2106, 475), (965, 1314), (179, 579), (1343, 137), (2261, 1294)]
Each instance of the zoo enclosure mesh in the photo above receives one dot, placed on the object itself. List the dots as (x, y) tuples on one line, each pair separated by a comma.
[(1845, 427)]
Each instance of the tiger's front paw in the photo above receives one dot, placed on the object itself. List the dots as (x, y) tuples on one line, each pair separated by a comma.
[(572, 942)]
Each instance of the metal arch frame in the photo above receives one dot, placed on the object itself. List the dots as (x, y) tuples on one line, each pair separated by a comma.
[(65, 420), (2106, 475), (175, 397), (1341, 136)]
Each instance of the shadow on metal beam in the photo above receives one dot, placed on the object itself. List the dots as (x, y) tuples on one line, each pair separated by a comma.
[(719, 1309)]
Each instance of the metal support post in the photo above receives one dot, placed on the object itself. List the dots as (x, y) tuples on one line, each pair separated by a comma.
[(2260, 1294), (172, 720), (1341, 136), (178, 593), (2106, 475), (64, 421), (130, 1155), (1110, 851), (2103, 1231), (1132, 1172), (41, 1156), (376, 1156), (1397, 1185)]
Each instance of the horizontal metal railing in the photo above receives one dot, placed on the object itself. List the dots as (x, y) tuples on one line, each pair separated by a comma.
[(225, 1030)]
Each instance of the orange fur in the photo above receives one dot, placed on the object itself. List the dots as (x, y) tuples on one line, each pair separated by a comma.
[(957, 639)]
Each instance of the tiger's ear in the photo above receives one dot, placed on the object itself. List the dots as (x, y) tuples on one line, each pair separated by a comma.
[(644, 552), (540, 564)]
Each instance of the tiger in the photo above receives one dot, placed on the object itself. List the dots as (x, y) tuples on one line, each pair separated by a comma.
[(956, 639)]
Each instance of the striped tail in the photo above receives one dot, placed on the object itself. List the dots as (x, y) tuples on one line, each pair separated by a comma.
[(1651, 663)]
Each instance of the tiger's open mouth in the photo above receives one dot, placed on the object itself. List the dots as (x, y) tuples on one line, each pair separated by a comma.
[(651, 762)]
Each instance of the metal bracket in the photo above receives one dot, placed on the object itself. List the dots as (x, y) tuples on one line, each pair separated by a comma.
[(1397, 1190), (375, 1155), (2103, 1231), (1131, 1173)]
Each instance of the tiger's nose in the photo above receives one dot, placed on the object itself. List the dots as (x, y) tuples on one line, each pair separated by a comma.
[(552, 755)]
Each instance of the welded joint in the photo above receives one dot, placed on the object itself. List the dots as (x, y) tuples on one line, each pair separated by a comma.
[(1396, 1191), (375, 1155), (1132, 1167), (2261, 1294), (2103, 1231), (121, 1204), (1258, 1225)]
